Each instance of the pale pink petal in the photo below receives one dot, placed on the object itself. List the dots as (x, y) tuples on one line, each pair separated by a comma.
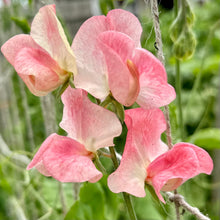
[(125, 22), (66, 160), (92, 70), (147, 127), (39, 71), (47, 31), (131, 173), (154, 89), (171, 169), (42, 169), (204, 160), (142, 145), (120, 43), (11, 47), (117, 49), (88, 123), (39, 155)]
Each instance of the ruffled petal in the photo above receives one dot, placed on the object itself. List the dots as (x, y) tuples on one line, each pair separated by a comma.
[(66, 160), (11, 47), (142, 145), (88, 123), (39, 71), (204, 160), (123, 83), (92, 77), (47, 32), (174, 167), (154, 89), (125, 22)]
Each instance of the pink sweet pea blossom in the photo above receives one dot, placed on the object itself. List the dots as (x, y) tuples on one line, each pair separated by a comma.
[(7, 2), (44, 59), (146, 159), (89, 127), (109, 59)]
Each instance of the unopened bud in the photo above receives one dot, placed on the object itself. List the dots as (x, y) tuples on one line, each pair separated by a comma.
[(184, 47), (184, 18), (176, 28), (189, 14)]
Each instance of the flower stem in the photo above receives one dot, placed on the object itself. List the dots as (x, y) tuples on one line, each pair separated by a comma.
[(179, 99), (155, 16), (99, 165), (126, 196)]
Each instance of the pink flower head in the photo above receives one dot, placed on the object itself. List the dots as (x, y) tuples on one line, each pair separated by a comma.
[(89, 127), (109, 59), (7, 2), (43, 59), (146, 159)]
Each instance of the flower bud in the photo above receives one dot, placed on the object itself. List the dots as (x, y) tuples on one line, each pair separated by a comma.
[(176, 27), (184, 18), (184, 47), (190, 17)]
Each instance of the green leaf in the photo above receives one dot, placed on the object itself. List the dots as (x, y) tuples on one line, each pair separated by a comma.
[(208, 138), (96, 201), (112, 201), (22, 23), (90, 205)]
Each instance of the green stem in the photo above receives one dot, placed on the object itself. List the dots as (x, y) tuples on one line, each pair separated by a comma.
[(179, 99), (183, 4), (99, 165), (129, 205), (176, 7), (114, 157), (126, 196)]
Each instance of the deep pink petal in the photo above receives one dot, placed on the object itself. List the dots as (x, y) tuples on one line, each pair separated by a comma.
[(173, 168), (154, 89), (66, 160), (125, 22), (11, 47), (88, 123), (142, 145), (117, 49), (47, 31), (204, 160), (39, 71), (92, 70)]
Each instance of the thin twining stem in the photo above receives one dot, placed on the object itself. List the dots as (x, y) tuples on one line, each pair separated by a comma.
[(160, 56), (155, 16), (181, 202), (176, 198)]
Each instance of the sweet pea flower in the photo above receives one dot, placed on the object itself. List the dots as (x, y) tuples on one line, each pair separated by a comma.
[(110, 61), (89, 127), (146, 159), (44, 59)]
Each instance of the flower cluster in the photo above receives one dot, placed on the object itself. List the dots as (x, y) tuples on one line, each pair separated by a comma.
[(105, 60)]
